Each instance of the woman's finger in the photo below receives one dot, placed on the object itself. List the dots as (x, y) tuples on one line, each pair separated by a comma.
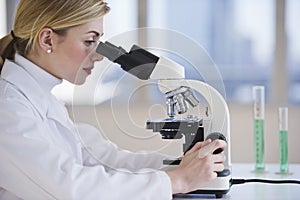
[(210, 148), (206, 142), (218, 167), (218, 158), (199, 145)]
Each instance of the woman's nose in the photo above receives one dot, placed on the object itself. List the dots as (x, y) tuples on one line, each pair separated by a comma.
[(97, 57)]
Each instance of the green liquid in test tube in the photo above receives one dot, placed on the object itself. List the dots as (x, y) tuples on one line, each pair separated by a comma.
[(259, 112), (283, 139)]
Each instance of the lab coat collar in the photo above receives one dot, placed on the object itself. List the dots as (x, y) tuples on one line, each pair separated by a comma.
[(35, 83), (45, 80)]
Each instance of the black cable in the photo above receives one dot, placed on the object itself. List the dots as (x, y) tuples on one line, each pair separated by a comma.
[(242, 181)]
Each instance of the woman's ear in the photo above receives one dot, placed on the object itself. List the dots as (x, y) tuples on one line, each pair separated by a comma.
[(46, 39)]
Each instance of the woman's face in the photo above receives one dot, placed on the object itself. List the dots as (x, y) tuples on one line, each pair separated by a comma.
[(74, 54)]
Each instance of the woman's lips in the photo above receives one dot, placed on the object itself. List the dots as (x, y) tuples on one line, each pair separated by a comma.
[(88, 70)]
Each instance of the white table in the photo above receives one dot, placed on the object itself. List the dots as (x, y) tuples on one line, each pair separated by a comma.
[(259, 191)]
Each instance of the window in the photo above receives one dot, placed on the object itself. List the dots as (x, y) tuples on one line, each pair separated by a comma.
[(229, 30), (238, 35), (293, 49)]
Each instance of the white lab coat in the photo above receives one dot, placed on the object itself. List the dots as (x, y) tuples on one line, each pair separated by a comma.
[(45, 156)]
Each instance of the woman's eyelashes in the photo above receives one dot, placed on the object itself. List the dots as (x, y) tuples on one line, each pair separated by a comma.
[(89, 43)]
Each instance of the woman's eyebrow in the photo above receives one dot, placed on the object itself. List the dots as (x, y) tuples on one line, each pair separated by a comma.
[(96, 33)]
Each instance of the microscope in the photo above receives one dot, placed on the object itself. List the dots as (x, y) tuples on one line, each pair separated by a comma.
[(179, 94)]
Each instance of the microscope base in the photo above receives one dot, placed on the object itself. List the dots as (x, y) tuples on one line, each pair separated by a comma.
[(218, 187), (200, 193)]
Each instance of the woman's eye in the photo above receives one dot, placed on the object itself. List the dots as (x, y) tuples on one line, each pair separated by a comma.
[(90, 42)]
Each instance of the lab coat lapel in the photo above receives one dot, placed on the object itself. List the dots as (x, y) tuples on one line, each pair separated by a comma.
[(58, 113), (42, 101), (18, 77)]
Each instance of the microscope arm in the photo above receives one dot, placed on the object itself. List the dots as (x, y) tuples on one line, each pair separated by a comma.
[(219, 120)]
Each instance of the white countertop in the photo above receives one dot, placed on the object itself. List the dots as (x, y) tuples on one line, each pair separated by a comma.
[(258, 191)]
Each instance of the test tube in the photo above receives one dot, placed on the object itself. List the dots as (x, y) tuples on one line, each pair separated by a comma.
[(283, 139), (259, 112)]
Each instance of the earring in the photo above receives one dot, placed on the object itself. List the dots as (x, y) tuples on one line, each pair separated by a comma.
[(49, 51)]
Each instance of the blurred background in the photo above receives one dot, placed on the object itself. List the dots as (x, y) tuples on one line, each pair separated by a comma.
[(250, 42)]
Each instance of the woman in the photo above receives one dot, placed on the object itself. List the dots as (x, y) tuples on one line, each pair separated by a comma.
[(42, 156)]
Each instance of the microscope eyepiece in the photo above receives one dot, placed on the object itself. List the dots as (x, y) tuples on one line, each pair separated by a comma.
[(137, 61), (110, 51)]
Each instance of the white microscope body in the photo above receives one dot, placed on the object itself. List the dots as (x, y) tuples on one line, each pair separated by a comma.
[(171, 81), (171, 76)]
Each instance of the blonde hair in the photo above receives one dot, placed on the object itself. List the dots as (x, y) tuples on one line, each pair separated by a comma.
[(33, 15)]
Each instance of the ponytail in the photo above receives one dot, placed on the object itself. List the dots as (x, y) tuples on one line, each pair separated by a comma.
[(7, 48)]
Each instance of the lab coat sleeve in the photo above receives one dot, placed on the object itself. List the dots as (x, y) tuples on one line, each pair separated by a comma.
[(32, 167), (97, 149)]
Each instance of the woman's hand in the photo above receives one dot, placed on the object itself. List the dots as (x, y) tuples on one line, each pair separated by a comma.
[(198, 166)]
